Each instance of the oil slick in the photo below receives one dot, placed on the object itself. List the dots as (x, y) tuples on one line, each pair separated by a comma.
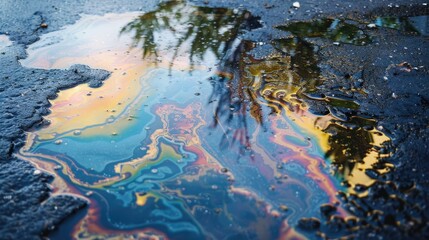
[(170, 148)]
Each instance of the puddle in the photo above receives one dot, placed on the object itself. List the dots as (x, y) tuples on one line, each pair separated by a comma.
[(198, 139), (418, 24), (334, 29), (4, 41)]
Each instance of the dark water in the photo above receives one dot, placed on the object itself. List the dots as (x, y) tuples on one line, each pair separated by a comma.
[(192, 137)]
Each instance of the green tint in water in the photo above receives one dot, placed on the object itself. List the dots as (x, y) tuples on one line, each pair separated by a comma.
[(333, 29), (418, 24), (195, 154)]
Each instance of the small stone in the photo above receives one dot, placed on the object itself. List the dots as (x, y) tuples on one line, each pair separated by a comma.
[(224, 170), (336, 43), (394, 95), (371, 25), (296, 5), (154, 170), (77, 132), (59, 141), (44, 25), (37, 172), (58, 167), (89, 193), (114, 133)]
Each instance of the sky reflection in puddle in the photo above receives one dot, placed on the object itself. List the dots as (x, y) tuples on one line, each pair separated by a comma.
[(198, 140)]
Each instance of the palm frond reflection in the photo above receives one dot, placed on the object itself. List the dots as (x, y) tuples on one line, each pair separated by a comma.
[(246, 89)]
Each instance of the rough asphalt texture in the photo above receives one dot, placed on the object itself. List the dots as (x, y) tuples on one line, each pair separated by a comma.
[(400, 103)]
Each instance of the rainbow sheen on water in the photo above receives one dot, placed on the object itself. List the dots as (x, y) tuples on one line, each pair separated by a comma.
[(180, 145)]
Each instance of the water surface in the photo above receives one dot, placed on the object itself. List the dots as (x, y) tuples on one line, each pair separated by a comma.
[(191, 137)]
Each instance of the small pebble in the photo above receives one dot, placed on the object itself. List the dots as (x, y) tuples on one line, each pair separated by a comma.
[(296, 5)]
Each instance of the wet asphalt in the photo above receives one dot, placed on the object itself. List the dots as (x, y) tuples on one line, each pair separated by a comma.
[(396, 94)]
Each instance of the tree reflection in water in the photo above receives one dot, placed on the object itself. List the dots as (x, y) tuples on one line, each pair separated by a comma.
[(243, 84)]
